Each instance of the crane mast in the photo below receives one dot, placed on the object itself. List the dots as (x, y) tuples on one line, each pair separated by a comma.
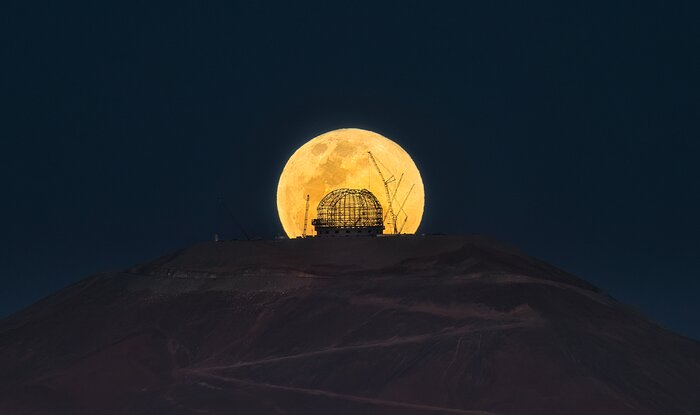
[(386, 189), (306, 216)]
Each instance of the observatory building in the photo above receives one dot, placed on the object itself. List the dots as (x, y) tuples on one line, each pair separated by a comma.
[(349, 212)]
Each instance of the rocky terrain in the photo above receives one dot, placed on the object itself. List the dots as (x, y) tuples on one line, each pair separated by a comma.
[(407, 325)]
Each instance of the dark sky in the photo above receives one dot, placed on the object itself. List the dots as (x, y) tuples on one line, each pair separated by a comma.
[(570, 131)]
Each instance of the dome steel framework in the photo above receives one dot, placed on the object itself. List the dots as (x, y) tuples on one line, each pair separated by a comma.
[(349, 212)]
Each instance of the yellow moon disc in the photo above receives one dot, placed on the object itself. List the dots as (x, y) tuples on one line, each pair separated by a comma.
[(340, 159)]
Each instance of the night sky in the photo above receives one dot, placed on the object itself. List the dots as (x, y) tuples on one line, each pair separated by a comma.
[(570, 131)]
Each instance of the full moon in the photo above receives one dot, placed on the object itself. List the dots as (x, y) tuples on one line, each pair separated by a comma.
[(340, 159)]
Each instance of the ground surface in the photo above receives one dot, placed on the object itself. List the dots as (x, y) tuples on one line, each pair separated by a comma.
[(409, 325)]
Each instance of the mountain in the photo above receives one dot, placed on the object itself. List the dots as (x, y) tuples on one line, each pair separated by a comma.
[(408, 325)]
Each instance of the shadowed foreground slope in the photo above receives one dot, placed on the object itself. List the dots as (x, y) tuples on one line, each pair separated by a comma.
[(407, 325)]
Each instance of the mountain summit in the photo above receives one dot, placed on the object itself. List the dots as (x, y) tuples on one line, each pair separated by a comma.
[(409, 325)]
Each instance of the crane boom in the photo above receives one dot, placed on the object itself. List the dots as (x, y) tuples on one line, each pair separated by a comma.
[(386, 189), (401, 208), (396, 191), (406, 198), (393, 198)]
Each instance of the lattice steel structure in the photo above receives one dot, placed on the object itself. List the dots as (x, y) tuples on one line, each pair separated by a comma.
[(349, 212)]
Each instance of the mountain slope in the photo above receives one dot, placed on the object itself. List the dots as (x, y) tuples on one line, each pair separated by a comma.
[(406, 325)]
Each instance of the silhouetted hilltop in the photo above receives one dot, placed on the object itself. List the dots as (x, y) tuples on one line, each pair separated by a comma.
[(389, 325)]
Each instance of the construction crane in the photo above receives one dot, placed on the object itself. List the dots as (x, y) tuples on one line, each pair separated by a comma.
[(393, 198), (405, 219), (386, 182), (396, 191), (306, 216)]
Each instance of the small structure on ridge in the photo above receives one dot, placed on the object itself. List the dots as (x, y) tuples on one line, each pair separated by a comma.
[(349, 212)]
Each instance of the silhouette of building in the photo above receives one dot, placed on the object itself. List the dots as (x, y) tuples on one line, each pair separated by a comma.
[(349, 212)]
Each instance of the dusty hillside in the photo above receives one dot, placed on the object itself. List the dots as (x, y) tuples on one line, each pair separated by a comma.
[(409, 325)]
